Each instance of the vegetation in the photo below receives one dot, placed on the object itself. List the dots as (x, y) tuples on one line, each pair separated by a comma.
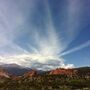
[(46, 82), (58, 79)]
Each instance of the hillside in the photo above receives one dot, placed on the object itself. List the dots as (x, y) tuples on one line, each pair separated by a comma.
[(58, 79)]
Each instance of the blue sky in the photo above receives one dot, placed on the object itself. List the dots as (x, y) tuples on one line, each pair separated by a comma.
[(45, 34)]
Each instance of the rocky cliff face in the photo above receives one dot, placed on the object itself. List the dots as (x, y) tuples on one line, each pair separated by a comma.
[(3, 73), (61, 71), (31, 74)]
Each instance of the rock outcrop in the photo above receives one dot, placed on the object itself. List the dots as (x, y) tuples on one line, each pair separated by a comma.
[(30, 73), (61, 71), (4, 74)]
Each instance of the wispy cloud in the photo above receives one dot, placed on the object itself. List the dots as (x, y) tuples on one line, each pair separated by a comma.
[(84, 45), (12, 18), (70, 25), (44, 44)]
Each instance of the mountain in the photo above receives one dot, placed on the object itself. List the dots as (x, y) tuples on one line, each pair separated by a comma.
[(9, 65), (18, 70), (15, 69)]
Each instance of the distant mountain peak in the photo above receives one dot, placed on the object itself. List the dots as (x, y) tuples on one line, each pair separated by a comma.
[(10, 65), (15, 69)]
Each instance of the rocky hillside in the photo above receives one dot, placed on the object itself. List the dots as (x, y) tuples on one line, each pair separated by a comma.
[(58, 79), (61, 71), (31, 73), (4, 73), (8, 70)]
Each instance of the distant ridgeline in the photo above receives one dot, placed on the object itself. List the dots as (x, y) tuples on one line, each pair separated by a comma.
[(16, 70)]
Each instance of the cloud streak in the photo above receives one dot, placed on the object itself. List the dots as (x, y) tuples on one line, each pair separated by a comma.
[(80, 47)]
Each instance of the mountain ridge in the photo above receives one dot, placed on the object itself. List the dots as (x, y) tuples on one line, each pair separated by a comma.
[(16, 70)]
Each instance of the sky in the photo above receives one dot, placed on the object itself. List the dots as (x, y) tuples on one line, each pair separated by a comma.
[(45, 34)]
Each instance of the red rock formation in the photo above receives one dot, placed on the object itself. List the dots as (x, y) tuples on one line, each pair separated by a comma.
[(68, 72), (3, 73), (31, 73)]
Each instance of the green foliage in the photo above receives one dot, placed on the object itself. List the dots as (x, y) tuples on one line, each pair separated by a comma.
[(46, 82)]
